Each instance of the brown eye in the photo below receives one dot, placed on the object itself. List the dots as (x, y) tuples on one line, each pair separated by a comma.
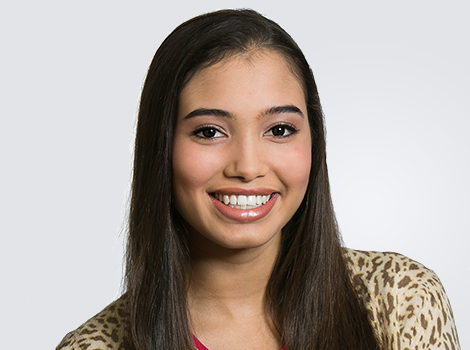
[(208, 132), (282, 130), (279, 130)]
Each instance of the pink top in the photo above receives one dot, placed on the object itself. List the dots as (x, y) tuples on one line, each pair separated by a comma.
[(200, 346)]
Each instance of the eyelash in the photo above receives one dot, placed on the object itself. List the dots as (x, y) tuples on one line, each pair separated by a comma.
[(287, 127), (198, 132), (291, 129)]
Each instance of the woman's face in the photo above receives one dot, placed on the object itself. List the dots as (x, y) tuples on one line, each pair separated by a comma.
[(242, 151)]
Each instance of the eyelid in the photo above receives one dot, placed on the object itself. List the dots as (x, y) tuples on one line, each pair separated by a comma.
[(204, 127), (290, 127)]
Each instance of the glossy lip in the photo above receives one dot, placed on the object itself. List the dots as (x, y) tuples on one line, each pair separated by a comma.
[(245, 191), (245, 215)]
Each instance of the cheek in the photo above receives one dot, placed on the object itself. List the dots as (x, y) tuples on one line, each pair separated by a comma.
[(295, 168), (192, 167)]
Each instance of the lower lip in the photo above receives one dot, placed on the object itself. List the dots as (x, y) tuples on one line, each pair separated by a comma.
[(246, 215)]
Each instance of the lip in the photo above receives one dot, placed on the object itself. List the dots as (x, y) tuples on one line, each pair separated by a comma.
[(245, 215), (245, 191)]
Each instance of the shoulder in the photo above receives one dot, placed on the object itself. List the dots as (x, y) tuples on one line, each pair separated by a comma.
[(106, 330), (406, 302), (390, 270)]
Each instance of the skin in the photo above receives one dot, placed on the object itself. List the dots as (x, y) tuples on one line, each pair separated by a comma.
[(248, 144)]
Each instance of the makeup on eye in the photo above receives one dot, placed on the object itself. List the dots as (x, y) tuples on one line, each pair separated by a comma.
[(208, 132), (282, 130), (279, 131)]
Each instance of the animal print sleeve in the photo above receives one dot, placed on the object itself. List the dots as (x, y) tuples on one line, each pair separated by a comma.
[(407, 304), (68, 343), (86, 337), (425, 313), (108, 330)]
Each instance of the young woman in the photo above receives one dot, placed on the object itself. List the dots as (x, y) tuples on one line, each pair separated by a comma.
[(233, 241)]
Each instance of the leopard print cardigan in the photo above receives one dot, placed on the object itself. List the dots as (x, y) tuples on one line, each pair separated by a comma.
[(406, 303)]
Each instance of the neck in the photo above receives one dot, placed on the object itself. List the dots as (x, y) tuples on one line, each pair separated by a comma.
[(231, 281), (227, 295)]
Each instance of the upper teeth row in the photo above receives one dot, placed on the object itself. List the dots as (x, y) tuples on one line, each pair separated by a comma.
[(242, 201)]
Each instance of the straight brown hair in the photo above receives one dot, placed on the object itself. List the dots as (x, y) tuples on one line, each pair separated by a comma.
[(309, 296)]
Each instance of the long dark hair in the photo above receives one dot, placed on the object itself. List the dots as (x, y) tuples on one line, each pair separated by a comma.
[(309, 296)]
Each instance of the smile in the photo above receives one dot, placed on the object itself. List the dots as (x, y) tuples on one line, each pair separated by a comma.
[(244, 208), (242, 201)]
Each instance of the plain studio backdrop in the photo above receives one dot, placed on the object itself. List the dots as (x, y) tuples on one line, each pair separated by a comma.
[(393, 79)]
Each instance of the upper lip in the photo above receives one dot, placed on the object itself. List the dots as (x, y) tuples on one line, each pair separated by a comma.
[(259, 191)]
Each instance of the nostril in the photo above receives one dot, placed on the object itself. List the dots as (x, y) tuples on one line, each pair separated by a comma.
[(246, 172)]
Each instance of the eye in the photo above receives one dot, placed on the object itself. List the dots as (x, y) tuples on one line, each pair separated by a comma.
[(208, 132), (282, 130)]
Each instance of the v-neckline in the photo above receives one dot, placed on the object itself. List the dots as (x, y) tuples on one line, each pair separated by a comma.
[(200, 346)]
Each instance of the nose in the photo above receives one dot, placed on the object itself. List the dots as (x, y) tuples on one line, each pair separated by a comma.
[(247, 160)]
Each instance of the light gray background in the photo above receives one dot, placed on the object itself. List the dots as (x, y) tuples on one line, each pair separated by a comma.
[(394, 83)]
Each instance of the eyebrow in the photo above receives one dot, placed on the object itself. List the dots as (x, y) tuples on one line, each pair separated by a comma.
[(282, 109), (209, 111), (225, 114)]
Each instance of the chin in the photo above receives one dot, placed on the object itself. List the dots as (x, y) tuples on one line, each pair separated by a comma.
[(243, 240)]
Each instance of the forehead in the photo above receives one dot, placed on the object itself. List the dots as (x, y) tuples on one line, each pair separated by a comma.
[(251, 57), (263, 76)]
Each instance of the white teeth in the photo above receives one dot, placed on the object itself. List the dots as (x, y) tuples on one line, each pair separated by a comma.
[(242, 201), (233, 199)]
